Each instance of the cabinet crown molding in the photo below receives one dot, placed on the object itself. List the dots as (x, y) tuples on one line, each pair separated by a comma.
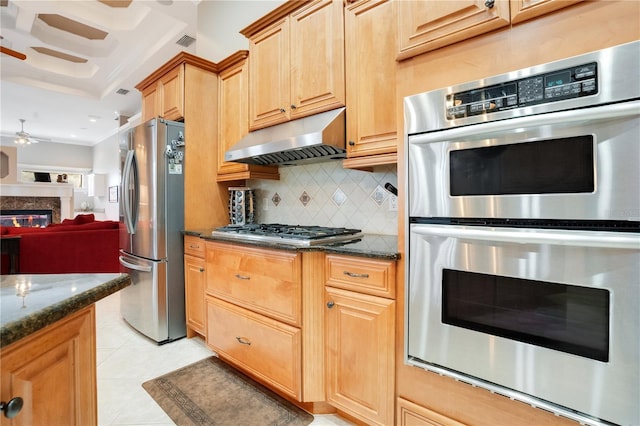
[(179, 59), (273, 16), (233, 59)]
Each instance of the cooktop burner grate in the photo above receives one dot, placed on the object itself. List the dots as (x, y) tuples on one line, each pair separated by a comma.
[(291, 234)]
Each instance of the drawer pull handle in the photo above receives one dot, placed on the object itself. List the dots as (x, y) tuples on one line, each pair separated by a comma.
[(243, 277), (354, 275), (243, 340), (194, 246)]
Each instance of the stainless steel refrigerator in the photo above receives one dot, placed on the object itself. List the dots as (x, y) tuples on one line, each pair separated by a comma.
[(151, 224)]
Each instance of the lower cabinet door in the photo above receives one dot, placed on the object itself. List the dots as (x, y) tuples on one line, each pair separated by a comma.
[(359, 345), (54, 372), (194, 285), (267, 349)]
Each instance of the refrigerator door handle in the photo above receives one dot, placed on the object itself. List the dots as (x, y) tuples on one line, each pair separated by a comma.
[(134, 266), (130, 198)]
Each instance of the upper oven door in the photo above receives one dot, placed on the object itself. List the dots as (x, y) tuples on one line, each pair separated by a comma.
[(579, 164)]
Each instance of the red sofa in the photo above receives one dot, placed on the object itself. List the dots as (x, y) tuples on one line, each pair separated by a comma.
[(80, 245)]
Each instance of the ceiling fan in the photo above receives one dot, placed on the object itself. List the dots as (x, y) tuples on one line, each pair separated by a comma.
[(22, 137)]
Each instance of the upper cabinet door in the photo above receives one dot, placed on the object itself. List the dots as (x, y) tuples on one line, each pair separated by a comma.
[(269, 76), (425, 25), (521, 10), (317, 58), (297, 62), (173, 94), (370, 48)]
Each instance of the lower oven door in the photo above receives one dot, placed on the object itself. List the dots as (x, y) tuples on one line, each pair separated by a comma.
[(549, 317)]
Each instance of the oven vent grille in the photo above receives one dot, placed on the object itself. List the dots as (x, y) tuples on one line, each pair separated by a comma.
[(300, 155)]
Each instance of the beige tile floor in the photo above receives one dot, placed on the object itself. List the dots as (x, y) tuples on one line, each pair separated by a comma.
[(126, 359)]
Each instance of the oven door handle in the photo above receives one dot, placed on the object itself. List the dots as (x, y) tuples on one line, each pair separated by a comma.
[(617, 240)]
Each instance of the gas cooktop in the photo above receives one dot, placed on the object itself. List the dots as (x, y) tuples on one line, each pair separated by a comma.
[(297, 235)]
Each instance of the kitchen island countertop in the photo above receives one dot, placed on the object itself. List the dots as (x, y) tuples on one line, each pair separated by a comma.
[(32, 302), (375, 246)]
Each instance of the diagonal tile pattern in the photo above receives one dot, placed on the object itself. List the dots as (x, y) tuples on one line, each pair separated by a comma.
[(335, 197)]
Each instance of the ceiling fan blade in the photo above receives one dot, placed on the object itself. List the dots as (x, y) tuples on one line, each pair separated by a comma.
[(13, 53)]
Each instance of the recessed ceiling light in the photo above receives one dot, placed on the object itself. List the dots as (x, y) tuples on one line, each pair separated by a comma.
[(94, 118)]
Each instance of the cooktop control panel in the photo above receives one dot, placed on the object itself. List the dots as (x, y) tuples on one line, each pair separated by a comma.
[(553, 86)]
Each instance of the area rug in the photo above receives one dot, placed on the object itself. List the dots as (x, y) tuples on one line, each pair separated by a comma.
[(211, 392)]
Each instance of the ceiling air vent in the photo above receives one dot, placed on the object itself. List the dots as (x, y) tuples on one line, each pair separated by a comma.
[(122, 91), (185, 41)]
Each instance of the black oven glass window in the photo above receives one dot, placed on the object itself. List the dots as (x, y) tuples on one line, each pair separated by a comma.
[(563, 165), (566, 318)]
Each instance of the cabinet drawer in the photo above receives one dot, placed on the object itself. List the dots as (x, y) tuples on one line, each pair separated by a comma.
[(194, 246), (370, 276), (266, 348), (265, 281)]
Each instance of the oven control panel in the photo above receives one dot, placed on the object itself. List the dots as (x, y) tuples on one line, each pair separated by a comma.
[(544, 88)]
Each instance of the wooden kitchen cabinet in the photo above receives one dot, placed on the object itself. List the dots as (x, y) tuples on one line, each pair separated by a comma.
[(233, 119), (165, 98), (425, 25), (193, 82), (370, 50), (266, 348), (360, 332), (54, 371), (265, 316), (410, 414), (297, 62), (194, 285), (265, 281)]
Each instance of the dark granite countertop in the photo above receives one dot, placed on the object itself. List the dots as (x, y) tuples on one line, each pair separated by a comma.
[(370, 245), (49, 298)]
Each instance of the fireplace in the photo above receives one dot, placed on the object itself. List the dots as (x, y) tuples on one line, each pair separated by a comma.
[(26, 218)]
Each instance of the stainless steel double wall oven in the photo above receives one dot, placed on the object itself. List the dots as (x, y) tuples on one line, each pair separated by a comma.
[(523, 244)]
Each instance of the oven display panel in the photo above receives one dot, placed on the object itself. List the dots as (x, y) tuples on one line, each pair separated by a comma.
[(554, 86)]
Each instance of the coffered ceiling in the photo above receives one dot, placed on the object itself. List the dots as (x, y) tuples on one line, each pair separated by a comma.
[(83, 59)]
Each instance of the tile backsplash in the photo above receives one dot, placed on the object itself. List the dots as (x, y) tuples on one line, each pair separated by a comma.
[(325, 194)]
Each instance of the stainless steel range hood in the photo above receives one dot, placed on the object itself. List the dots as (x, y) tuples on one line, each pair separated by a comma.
[(320, 137)]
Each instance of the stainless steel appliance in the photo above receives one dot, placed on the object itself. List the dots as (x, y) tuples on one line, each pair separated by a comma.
[(242, 205), (316, 138), (523, 239), (296, 235), (152, 220)]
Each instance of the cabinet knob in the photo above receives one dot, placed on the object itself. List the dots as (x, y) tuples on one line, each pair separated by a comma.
[(489, 3), (293, 106), (352, 143), (330, 304), (282, 110), (201, 269), (11, 408)]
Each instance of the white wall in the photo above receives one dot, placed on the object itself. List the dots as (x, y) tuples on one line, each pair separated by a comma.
[(53, 155), (220, 21)]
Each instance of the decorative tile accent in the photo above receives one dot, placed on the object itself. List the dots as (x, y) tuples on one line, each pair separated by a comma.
[(379, 195), (305, 198), (276, 199), (339, 197), (323, 181)]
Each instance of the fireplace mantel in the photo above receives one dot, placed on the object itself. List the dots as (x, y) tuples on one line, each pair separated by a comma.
[(64, 191)]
